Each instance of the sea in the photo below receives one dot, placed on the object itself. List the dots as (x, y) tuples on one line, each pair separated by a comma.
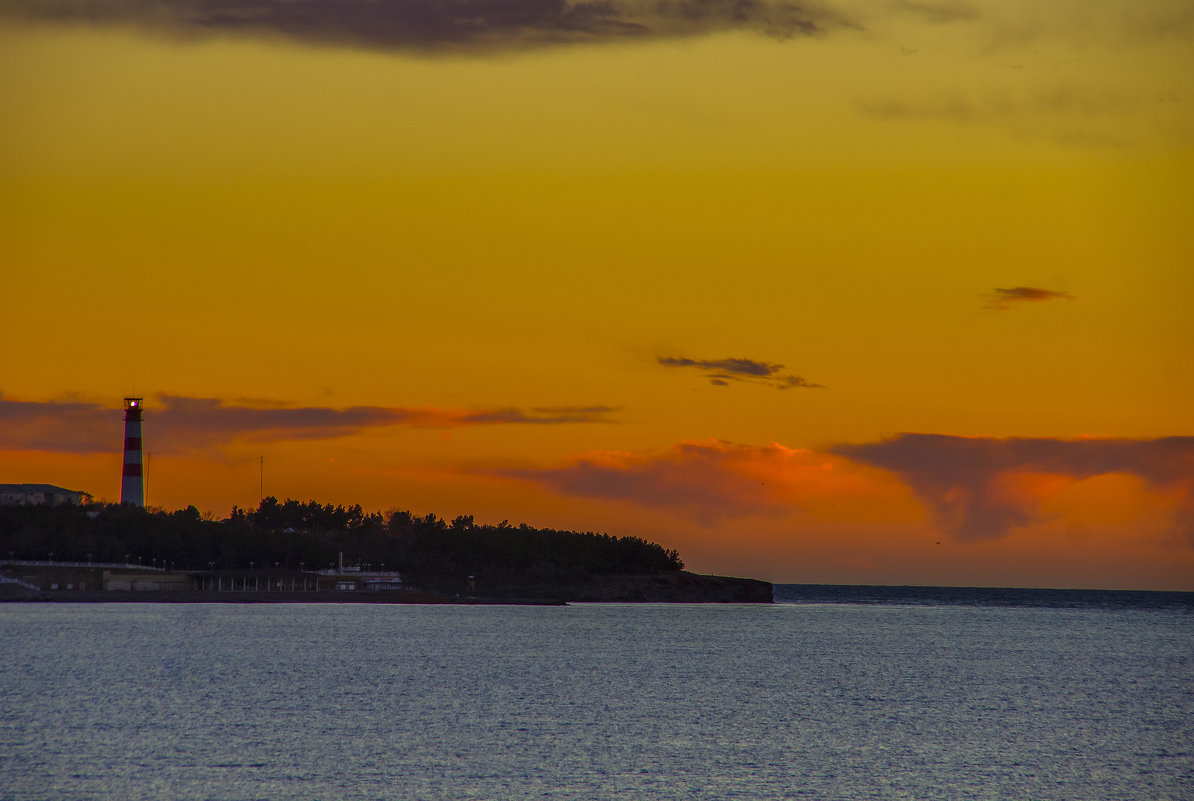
[(830, 693)]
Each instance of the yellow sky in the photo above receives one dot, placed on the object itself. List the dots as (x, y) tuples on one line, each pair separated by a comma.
[(270, 221)]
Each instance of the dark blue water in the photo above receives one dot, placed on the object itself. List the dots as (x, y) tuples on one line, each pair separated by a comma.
[(810, 700)]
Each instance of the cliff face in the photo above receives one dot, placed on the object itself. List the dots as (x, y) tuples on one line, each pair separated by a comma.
[(672, 587)]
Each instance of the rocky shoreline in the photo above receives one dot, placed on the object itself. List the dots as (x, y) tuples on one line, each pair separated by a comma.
[(671, 587), (678, 587)]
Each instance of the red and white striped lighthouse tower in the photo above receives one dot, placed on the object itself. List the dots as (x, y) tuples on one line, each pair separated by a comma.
[(132, 486)]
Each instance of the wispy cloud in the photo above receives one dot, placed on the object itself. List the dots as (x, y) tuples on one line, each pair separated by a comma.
[(942, 12), (1067, 114), (540, 415), (177, 422), (722, 372), (444, 25), (1004, 299)]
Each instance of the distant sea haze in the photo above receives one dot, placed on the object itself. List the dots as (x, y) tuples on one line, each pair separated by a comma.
[(1060, 696), (982, 596)]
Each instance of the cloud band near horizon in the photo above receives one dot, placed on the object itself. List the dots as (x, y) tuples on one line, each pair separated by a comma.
[(179, 423), (972, 488), (967, 489)]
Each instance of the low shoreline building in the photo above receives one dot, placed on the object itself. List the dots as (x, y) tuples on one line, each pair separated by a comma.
[(39, 494)]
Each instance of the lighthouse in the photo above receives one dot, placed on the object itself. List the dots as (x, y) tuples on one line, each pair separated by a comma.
[(132, 485)]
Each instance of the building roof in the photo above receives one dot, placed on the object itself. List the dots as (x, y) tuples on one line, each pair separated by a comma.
[(42, 488)]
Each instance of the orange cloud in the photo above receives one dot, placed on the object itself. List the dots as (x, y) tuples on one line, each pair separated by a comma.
[(913, 510), (716, 480), (1110, 530), (981, 487)]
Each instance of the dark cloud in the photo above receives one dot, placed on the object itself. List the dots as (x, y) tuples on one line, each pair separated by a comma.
[(435, 25), (1003, 299), (796, 382), (73, 426), (703, 478), (211, 417), (721, 372), (746, 367), (959, 476), (713, 481), (177, 422)]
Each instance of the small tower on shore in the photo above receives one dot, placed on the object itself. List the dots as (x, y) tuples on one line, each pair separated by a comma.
[(132, 485)]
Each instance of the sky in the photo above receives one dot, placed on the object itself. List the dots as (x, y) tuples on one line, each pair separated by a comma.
[(870, 291)]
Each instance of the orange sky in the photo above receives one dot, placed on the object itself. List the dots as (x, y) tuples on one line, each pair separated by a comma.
[(686, 277)]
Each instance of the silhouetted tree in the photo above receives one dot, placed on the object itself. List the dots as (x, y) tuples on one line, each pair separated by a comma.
[(314, 534)]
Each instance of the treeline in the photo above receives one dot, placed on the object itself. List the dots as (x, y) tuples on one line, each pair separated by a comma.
[(308, 535)]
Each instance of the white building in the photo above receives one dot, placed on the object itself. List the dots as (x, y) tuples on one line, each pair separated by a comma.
[(36, 494)]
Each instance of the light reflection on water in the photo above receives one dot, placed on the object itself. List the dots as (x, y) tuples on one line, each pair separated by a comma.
[(594, 701)]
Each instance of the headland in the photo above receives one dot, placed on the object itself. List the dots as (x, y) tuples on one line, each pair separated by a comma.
[(294, 552)]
